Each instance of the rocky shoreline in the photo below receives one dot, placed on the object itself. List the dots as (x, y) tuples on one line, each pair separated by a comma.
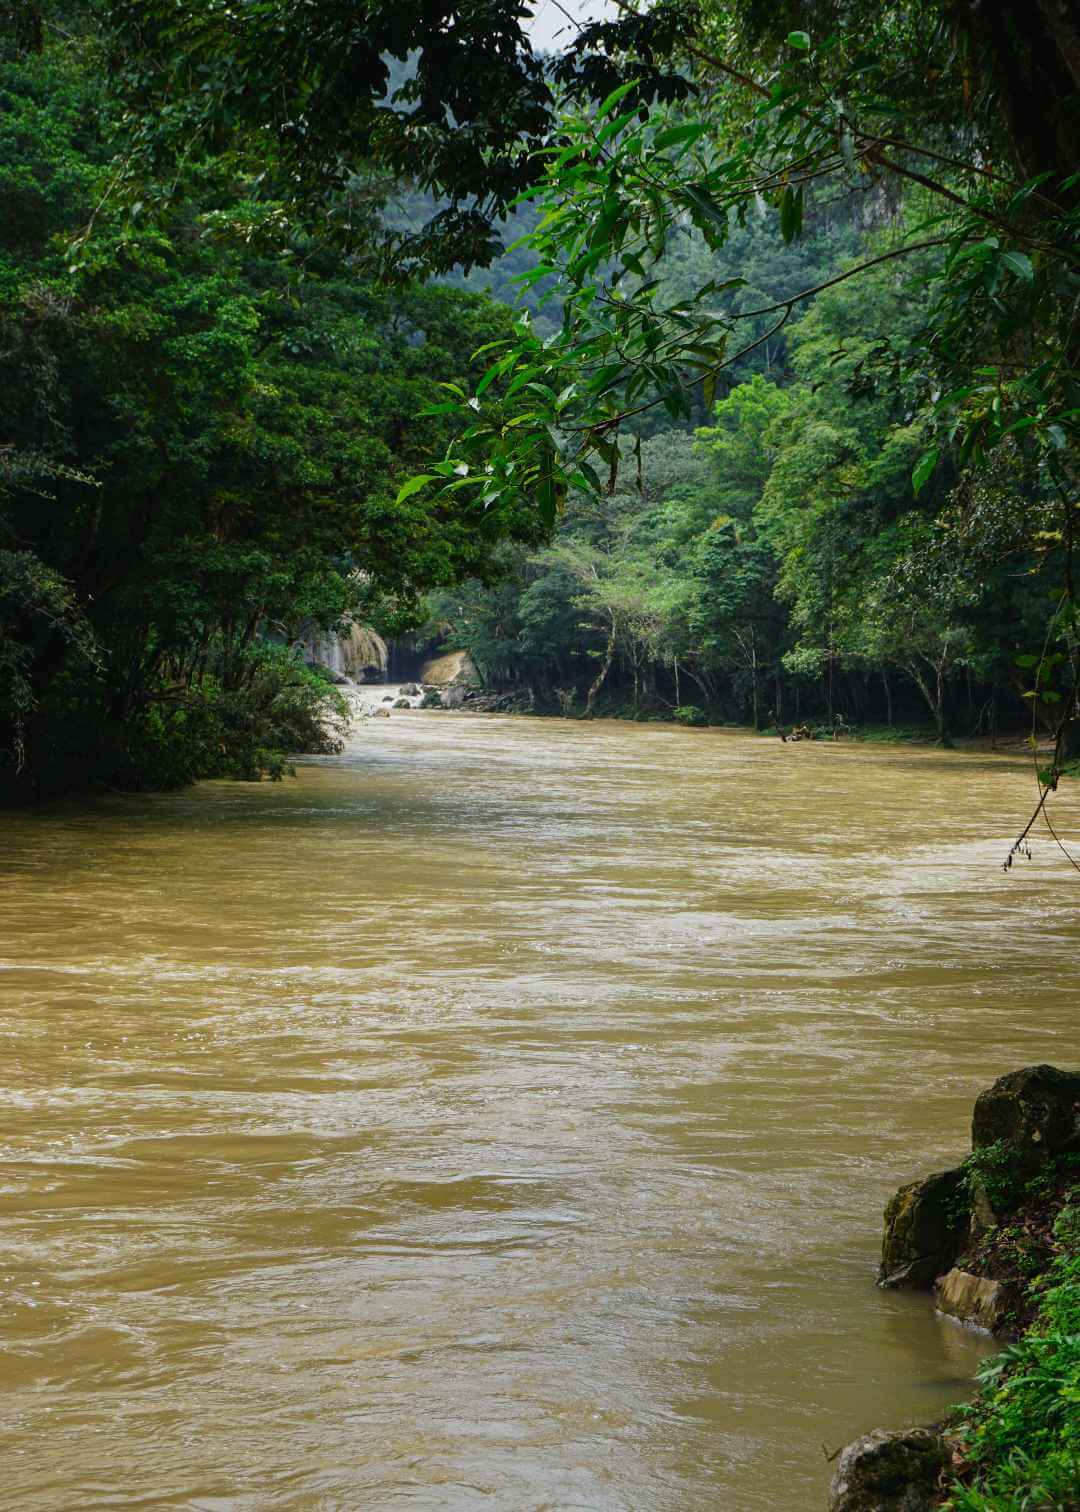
[(994, 1240)]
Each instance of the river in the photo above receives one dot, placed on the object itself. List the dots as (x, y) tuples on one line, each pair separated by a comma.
[(499, 1115)]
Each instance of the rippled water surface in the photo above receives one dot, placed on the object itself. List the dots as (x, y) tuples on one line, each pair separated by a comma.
[(499, 1115)]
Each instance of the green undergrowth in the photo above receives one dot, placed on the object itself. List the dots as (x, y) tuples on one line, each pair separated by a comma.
[(1020, 1440), (871, 733)]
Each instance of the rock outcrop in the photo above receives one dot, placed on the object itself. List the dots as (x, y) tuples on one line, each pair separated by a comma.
[(975, 1301), (1022, 1121), (1021, 1125), (1036, 1111), (889, 1472), (925, 1229), (454, 667)]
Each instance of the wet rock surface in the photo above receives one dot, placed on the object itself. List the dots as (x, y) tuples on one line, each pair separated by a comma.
[(889, 1472), (1035, 1110), (925, 1227), (976, 1301)]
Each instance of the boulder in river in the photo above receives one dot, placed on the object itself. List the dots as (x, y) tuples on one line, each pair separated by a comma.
[(925, 1229), (976, 1301), (889, 1472)]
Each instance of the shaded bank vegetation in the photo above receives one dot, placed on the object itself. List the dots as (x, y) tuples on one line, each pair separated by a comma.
[(774, 564), (783, 430), (200, 458)]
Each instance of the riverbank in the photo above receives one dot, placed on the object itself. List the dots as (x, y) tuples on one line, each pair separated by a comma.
[(1018, 1444), (522, 702), (997, 1239)]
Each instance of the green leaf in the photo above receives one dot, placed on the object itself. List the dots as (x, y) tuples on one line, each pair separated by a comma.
[(495, 371), (608, 105), (800, 41), (705, 205), (414, 485), (676, 134), (1026, 660), (614, 127), (1020, 264), (923, 469), (791, 213)]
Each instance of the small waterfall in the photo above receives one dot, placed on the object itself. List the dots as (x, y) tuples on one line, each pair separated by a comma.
[(358, 655)]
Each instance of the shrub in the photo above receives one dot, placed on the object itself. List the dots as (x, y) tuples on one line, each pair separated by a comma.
[(272, 706), (1022, 1439), (691, 714)]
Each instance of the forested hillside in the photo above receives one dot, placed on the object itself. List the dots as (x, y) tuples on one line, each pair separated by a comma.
[(205, 428), (772, 562), (781, 429)]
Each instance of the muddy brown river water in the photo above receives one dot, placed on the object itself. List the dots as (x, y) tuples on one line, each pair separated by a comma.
[(499, 1115)]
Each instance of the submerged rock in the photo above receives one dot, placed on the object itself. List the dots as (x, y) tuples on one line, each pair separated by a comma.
[(925, 1228), (889, 1472), (1036, 1111), (975, 1301)]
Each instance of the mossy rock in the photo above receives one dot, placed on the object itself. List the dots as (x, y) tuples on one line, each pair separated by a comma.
[(1034, 1111), (890, 1472), (925, 1229)]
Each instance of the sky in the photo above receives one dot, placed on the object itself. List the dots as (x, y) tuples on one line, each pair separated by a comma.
[(550, 29)]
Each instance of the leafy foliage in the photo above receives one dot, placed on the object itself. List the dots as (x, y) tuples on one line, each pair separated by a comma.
[(201, 450), (1022, 1441)]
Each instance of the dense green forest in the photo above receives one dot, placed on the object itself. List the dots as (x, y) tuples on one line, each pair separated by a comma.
[(765, 412), (201, 453), (774, 565)]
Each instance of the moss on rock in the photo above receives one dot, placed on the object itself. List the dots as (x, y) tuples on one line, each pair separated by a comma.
[(925, 1228)]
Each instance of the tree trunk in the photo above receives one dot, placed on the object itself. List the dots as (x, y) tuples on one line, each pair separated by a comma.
[(939, 700), (601, 676), (924, 688)]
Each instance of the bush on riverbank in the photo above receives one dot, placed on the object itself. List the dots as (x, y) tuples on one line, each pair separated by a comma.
[(1020, 1441), (238, 718), (997, 1238)]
